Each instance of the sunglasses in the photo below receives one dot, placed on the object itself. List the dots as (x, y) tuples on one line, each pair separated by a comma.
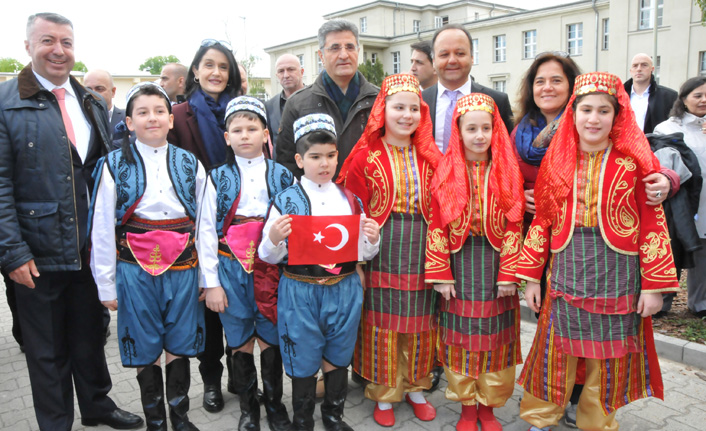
[(562, 54), (211, 42)]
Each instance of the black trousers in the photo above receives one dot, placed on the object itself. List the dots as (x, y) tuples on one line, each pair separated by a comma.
[(210, 365), (62, 326), (12, 304)]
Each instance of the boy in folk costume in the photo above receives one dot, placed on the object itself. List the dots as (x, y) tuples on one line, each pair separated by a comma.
[(610, 262), (143, 256), (239, 286), (478, 206), (318, 306), (390, 168)]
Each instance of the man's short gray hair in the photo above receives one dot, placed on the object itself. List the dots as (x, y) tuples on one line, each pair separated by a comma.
[(336, 25), (47, 16)]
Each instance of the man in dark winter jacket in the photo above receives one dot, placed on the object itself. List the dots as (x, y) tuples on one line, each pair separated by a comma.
[(650, 101)]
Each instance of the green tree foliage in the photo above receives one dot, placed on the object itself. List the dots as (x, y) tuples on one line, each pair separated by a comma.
[(155, 64), (11, 65), (372, 72), (702, 5), (80, 67)]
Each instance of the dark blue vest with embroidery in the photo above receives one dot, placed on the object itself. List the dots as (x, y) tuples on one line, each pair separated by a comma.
[(295, 201), (130, 180), (226, 180)]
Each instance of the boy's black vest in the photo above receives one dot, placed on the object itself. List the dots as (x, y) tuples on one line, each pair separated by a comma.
[(130, 180), (226, 179)]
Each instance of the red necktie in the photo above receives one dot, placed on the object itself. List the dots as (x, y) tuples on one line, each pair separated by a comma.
[(60, 96)]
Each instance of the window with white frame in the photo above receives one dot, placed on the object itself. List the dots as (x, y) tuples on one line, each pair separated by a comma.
[(702, 63), (499, 46), (438, 21), (646, 13), (500, 85), (606, 31), (396, 62), (574, 38), (477, 16), (374, 57), (474, 42), (301, 59), (529, 40), (416, 26), (364, 24)]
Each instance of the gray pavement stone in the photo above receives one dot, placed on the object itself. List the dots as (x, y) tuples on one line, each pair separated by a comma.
[(695, 355), (669, 347)]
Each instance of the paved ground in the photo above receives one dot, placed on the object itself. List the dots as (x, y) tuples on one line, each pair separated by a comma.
[(683, 409)]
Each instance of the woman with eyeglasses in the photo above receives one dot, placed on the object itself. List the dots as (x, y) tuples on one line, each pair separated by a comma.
[(199, 126)]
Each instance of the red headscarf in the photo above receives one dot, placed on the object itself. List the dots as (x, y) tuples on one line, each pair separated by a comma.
[(450, 181), (422, 138), (556, 174)]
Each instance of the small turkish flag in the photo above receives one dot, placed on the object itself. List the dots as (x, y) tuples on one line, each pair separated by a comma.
[(324, 240)]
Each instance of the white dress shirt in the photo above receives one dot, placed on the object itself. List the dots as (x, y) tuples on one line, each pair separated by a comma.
[(81, 125), (159, 202), (442, 104), (326, 200), (639, 103), (254, 200)]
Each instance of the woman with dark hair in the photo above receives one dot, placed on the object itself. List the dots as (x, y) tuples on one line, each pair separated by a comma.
[(544, 91), (688, 116), (199, 126)]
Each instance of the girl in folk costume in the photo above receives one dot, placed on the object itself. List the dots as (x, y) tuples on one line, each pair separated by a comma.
[(478, 204), (143, 256), (390, 169), (610, 261)]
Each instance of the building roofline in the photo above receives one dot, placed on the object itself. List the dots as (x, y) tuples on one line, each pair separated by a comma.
[(393, 4)]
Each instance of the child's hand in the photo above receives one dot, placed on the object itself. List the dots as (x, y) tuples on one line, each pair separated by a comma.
[(111, 305), (506, 289), (529, 201), (371, 230), (216, 299), (446, 290), (533, 296), (281, 229), (649, 304)]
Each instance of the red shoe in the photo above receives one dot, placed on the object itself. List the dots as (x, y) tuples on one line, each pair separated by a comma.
[(488, 422), (385, 418), (423, 412), (469, 419)]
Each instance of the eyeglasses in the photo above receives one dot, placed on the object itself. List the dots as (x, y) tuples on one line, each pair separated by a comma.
[(335, 49), (562, 54), (211, 42)]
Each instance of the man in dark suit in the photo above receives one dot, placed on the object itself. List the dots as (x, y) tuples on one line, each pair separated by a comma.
[(453, 59), (290, 75), (52, 132), (101, 82), (650, 101)]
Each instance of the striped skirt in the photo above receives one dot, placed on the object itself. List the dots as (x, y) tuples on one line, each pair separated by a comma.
[(397, 301), (632, 376), (478, 332), (595, 292)]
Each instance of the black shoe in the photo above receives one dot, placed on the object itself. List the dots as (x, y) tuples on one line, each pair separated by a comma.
[(303, 403), (178, 382), (245, 380), (336, 387), (152, 397), (436, 373), (117, 419), (212, 398), (271, 372)]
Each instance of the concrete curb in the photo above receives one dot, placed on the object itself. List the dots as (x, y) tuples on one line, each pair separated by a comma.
[(674, 349)]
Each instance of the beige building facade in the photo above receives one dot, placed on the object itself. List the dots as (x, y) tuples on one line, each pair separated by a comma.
[(599, 35)]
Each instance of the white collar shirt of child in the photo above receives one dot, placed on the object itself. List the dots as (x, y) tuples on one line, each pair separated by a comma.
[(254, 198), (159, 202)]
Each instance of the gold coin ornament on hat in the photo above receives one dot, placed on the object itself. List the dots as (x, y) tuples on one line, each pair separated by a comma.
[(596, 82), (475, 102), (401, 82)]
